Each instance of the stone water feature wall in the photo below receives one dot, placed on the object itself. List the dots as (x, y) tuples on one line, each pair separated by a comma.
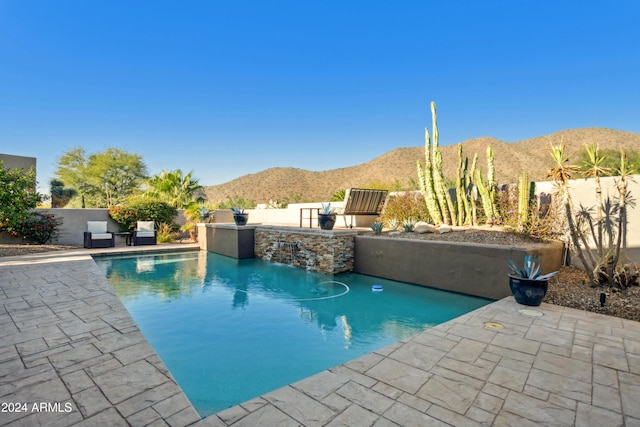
[(330, 252)]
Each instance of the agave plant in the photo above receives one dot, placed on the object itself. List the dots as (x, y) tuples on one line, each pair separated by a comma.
[(327, 209), (237, 211), (409, 224), (393, 224), (377, 227), (530, 270)]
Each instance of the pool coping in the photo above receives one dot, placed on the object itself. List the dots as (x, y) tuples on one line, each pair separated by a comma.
[(67, 338)]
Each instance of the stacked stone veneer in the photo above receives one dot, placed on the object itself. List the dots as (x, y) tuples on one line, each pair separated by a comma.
[(330, 252)]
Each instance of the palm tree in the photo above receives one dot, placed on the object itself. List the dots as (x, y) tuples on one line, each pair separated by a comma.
[(174, 188)]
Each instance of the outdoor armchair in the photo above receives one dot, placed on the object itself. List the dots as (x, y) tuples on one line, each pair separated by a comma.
[(97, 235), (145, 233)]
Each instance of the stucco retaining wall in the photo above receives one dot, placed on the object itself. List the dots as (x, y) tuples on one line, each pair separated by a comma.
[(227, 239), (468, 268)]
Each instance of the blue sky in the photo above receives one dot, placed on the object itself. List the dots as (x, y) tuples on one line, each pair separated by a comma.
[(235, 87)]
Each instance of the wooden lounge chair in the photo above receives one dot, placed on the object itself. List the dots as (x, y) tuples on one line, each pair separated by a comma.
[(145, 233), (97, 235), (362, 201)]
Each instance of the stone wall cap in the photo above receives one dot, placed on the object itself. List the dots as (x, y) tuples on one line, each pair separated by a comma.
[(303, 230)]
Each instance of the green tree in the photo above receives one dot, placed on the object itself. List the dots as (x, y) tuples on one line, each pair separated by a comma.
[(174, 188), (60, 195), (17, 197), (102, 179)]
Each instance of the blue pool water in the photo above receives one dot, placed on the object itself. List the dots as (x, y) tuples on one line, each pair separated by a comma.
[(230, 330)]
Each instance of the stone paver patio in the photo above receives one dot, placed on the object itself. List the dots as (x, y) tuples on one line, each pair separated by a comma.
[(68, 345)]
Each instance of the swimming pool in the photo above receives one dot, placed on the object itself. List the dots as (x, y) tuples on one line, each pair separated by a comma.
[(230, 330)]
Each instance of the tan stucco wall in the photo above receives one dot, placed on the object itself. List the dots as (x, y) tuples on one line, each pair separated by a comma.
[(583, 192)]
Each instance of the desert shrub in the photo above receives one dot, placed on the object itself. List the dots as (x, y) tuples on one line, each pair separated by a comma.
[(541, 222), (404, 205), (39, 228), (236, 202), (141, 210), (166, 233)]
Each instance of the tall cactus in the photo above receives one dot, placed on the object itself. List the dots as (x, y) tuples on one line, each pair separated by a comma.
[(425, 177), (488, 191), (524, 196), (438, 179), (431, 180)]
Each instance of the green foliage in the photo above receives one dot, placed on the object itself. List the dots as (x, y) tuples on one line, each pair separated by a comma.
[(236, 202), (60, 195), (174, 188), (127, 215), (165, 233), (39, 228), (339, 195), (17, 197), (101, 179), (608, 161), (401, 206)]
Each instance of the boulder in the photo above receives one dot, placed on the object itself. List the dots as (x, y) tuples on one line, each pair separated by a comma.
[(423, 227), (444, 228)]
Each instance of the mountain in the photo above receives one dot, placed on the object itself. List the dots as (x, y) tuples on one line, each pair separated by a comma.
[(399, 166)]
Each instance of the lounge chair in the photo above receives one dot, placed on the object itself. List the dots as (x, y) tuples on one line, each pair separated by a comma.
[(362, 201), (97, 235), (145, 233)]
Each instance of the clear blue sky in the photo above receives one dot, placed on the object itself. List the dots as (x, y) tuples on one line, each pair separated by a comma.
[(226, 88)]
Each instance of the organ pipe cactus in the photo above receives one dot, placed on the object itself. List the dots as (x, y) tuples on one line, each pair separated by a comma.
[(439, 203), (425, 175), (524, 196), (488, 191)]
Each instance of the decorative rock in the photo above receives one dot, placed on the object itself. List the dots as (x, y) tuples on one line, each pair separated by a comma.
[(394, 233), (444, 228), (423, 227)]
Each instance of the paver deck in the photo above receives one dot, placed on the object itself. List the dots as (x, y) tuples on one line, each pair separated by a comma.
[(68, 345)]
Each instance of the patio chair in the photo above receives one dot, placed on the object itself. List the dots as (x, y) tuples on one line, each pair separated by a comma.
[(362, 201), (97, 235), (145, 233)]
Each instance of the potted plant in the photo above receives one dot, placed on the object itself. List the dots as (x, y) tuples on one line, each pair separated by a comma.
[(239, 216), (326, 217), (527, 285)]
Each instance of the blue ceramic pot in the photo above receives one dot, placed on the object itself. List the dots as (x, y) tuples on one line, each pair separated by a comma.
[(528, 292), (326, 222), (241, 219)]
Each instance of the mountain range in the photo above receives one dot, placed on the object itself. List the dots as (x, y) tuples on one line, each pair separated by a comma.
[(397, 168)]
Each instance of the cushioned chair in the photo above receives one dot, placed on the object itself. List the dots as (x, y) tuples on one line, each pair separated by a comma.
[(144, 234), (97, 235)]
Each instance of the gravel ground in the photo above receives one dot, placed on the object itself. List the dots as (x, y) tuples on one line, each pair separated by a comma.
[(569, 288)]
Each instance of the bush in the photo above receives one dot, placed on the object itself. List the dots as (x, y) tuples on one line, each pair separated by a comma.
[(39, 228), (142, 210), (17, 197), (403, 206), (166, 233)]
